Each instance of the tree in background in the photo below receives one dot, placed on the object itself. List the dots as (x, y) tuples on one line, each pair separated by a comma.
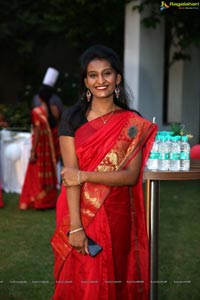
[(27, 27)]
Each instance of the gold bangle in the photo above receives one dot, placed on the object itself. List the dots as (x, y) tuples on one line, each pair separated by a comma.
[(75, 230)]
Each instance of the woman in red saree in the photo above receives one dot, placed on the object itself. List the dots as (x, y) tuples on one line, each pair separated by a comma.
[(104, 148), (39, 189)]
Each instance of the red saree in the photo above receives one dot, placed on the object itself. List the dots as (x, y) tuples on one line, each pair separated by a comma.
[(112, 216), (39, 188)]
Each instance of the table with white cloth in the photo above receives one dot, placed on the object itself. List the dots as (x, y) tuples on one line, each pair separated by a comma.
[(12, 167), (15, 150)]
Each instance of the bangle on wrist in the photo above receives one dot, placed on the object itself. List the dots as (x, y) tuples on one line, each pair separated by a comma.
[(74, 231), (79, 177)]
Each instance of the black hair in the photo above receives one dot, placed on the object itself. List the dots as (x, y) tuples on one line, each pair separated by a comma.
[(45, 92), (101, 52)]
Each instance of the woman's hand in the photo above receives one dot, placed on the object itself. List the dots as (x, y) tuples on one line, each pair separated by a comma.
[(78, 240), (70, 176)]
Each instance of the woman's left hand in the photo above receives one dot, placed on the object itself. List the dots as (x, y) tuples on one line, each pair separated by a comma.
[(70, 176)]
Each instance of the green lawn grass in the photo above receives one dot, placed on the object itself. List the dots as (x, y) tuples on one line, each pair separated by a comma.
[(26, 258), (179, 251)]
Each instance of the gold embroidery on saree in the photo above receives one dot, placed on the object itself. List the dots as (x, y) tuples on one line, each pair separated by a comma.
[(88, 212), (91, 200), (109, 163)]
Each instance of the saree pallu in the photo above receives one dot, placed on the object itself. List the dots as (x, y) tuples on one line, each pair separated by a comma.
[(112, 216), (39, 189)]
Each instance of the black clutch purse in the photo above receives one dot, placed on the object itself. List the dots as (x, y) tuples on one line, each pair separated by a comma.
[(93, 247)]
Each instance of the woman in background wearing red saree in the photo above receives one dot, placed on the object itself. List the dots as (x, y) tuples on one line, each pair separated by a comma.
[(39, 189), (104, 146)]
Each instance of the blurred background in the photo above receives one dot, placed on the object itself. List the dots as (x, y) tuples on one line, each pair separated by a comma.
[(41, 34)]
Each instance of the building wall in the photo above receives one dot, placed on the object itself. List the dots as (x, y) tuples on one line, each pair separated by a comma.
[(144, 72), (143, 64), (191, 95), (132, 52)]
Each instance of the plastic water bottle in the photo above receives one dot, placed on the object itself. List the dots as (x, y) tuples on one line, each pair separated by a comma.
[(169, 147), (185, 154), (178, 138), (164, 154), (175, 154), (152, 163)]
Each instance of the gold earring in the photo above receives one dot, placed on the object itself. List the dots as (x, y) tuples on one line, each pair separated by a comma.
[(88, 95), (117, 91)]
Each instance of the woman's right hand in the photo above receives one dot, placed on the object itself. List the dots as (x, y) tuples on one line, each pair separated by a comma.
[(70, 176), (78, 240)]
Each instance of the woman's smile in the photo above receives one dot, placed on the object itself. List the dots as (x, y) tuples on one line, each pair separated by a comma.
[(101, 87)]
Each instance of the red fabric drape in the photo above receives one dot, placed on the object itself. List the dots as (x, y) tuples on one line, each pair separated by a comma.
[(112, 216), (39, 188)]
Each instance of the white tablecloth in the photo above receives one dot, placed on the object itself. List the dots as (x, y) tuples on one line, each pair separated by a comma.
[(13, 172)]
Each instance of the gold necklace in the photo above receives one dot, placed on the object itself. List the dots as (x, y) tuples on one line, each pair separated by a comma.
[(106, 120)]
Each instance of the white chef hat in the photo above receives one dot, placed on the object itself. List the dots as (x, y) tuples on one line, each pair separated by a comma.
[(50, 77)]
